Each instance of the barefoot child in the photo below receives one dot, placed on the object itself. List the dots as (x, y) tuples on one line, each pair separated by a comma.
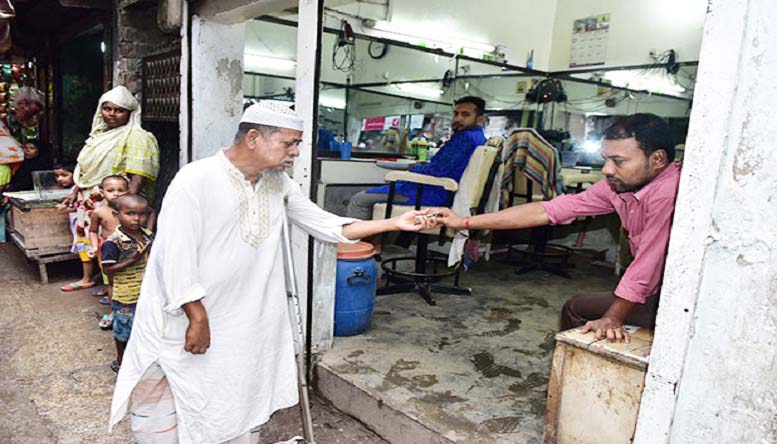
[(63, 174), (104, 223), (124, 256)]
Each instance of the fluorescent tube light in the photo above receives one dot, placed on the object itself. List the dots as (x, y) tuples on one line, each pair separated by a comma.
[(331, 102), (392, 31), (653, 82), (257, 61), (414, 88)]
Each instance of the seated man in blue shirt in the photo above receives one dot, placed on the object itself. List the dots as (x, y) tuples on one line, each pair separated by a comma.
[(450, 161)]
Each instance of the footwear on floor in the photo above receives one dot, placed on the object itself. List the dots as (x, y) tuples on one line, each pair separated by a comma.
[(106, 323), (100, 290), (115, 366), (105, 300), (75, 286)]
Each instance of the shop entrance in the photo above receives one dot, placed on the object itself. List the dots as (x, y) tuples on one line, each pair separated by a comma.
[(471, 368)]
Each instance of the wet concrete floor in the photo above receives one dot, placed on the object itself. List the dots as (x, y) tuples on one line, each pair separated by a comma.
[(472, 369)]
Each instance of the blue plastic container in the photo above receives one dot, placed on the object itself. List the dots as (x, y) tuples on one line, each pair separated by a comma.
[(345, 150), (354, 288)]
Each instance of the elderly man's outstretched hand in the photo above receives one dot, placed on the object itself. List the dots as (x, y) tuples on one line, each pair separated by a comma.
[(418, 220)]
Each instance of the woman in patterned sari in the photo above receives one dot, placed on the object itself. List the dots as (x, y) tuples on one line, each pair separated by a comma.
[(116, 145)]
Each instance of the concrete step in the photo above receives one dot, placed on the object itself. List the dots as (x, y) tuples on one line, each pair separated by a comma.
[(389, 421)]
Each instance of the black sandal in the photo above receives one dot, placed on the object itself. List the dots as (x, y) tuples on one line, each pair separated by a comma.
[(115, 366)]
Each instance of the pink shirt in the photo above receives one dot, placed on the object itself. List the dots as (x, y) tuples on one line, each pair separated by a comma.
[(645, 214)]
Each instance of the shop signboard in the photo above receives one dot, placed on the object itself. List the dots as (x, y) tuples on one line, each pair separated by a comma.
[(373, 124)]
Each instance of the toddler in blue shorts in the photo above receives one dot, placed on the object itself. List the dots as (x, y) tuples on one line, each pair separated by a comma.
[(124, 256)]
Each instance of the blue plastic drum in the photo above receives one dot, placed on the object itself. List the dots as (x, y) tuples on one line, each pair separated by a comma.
[(355, 288)]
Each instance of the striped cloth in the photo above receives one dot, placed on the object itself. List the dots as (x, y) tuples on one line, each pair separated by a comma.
[(528, 151)]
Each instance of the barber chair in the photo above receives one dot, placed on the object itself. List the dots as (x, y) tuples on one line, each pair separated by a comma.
[(478, 179)]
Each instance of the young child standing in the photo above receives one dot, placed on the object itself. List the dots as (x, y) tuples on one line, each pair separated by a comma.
[(104, 223), (63, 174), (124, 256)]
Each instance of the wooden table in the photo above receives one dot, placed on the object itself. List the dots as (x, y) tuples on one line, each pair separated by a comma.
[(595, 388), (40, 230)]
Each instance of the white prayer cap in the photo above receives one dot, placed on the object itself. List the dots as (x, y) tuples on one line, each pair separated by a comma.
[(272, 114)]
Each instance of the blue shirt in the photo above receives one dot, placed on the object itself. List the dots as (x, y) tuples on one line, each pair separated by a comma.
[(450, 161)]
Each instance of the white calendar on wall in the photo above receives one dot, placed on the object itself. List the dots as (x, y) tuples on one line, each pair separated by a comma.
[(589, 41)]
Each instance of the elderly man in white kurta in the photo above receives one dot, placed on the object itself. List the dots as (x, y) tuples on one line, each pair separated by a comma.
[(211, 355)]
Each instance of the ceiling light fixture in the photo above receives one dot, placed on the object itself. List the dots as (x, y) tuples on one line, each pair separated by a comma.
[(392, 31), (414, 88), (655, 82), (259, 62), (331, 102)]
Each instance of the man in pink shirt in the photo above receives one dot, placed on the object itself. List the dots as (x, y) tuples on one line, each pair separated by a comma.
[(640, 184)]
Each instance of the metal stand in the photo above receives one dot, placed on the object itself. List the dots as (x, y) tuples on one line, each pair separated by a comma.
[(542, 255), (545, 257), (420, 280)]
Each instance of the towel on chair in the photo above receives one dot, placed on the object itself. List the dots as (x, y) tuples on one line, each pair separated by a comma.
[(528, 150), (461, 238)]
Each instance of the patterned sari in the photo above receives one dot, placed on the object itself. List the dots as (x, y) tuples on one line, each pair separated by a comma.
[(125, 150), (11, 152)]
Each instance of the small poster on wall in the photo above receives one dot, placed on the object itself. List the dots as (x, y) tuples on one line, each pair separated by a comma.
[(381, 123), (416, 121), (392, 122), (589, 41), (496, 126)]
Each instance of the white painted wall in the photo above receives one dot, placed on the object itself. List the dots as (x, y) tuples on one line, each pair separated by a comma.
[(276, 40), (520, 25), (405, 64), (399, 64), (306, 90), (714, 360), (636, 27), (217, 84), (183, 117), (239, 11), (270, 39)]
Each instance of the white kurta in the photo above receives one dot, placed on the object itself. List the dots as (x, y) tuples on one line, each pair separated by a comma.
[(219, 240)]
